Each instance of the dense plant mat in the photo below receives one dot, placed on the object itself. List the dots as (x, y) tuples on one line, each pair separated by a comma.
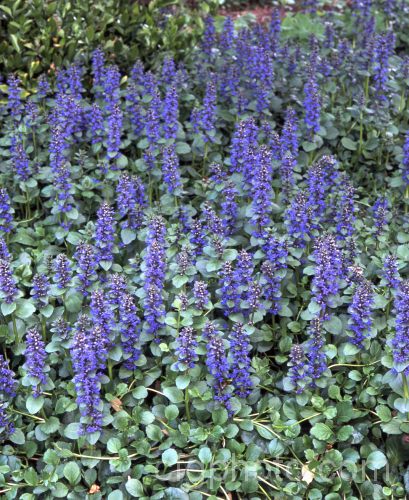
[(204, 268)]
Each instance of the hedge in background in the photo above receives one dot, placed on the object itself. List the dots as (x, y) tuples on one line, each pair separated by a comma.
[(38, 36)]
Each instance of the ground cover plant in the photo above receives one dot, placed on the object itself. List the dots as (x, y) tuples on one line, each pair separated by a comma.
[(204, 268)]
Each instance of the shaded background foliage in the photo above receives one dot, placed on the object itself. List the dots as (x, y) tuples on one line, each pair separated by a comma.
[(39, 36)]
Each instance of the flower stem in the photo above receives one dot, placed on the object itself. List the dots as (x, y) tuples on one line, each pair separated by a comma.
[(34, 417), (405, 388), (43, 328), (187, 409), (15, 328)]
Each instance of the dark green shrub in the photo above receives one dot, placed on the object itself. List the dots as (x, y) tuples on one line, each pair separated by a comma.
[(36, 36)]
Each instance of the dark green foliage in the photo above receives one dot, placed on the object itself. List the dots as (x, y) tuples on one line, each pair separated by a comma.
[(38, 36)]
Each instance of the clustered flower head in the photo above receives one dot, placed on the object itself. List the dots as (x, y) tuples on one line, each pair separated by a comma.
[(316, 364), (105, 233), (322, 177), (405, 159), (36, 356), (201, 294), (380, 211), (8, 388), (299, 219), (328, 271), (117, 288), (186, 347), (4, 251), (130, 330), (170, 168), (218, 366), (40, 290), (240, 370), (289, 137), (360, 312), (14, 95), (20, 160), (103, 318), (261, 191), (390, 272), (87, 377), (400, 342), (298, 368), (63, 271), (345, 209), (8, 384), (312, 102), (8, 288), (383, 49), (130, 201), (155, 269), (6, 213), (86, 266), (61, 328)]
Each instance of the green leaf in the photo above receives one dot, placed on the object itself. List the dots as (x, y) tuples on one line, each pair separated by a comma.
[(73, 301), (345, 432), (47, 311), (376, 460), (309, 146), (17, 437), (114, 445), (74, 238), (122, 161), (25, 309), (72, 473), (171, 412), (205, 455), (220, 416), (14, 41), (135, 488), (154, 432), (7, 309), (128, 236), (59, 490), (169, 457), (34, 405), (334, 325), (140, 392), (105, 264), (349, 144), (276, 447), (7, 10), (115, 495), (182, 148), (401, 405), (321, 431), (51, 457), (334, 392), (178, 281), (350, 349), (72, 431), (182, 381), (51, 425), (174, 394), (31, 477), (384, 413)]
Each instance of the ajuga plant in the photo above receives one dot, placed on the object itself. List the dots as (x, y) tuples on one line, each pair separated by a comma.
[(204, 263)]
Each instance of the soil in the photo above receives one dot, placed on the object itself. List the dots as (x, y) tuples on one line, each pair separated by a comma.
[(262, 14)]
